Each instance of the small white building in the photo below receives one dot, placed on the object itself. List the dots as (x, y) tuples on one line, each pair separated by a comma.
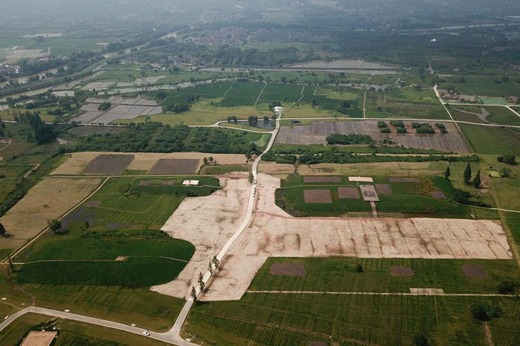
[(190, 182)]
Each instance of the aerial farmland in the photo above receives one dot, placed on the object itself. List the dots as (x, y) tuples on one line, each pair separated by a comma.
[(309, 173)]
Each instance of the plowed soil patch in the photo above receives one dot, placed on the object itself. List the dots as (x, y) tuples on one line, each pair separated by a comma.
[(383, 189), (474, 271), (438, 194), (348, 192), (317, 196), (287, 269), (401, 271), (175, 166), (405, 180), (321, 179), (108, 164)]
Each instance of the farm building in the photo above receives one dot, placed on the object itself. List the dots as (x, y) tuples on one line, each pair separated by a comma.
[(190, 182)]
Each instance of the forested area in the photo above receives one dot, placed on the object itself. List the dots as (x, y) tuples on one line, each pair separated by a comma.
[(155, 137)]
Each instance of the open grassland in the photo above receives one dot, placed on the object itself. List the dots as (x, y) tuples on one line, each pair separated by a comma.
[(72, 333), (380, 105), (491, 140), (506, 190), (502, 116), (240, 98), (339, 275), (48, 200), (10, 175), (479, 85), (138, 203), (411, 95), (411, 199), (297, 319), (91, 258), (307, 111), (16, 147), (204, 112), (104, 265), (122, 304)]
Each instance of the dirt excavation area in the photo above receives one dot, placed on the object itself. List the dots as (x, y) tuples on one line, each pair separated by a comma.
[(275, 233), (207, 223)]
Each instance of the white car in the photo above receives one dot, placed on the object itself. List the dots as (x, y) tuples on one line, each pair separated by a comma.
[(146, 333)]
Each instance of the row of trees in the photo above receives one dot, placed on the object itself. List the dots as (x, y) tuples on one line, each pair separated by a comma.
[(212, 267), (476, 182), (42, 133)]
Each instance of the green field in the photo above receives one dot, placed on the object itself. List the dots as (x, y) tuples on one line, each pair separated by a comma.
[(104, 267), (502, 116), (410, 199), (297, 319), (478, 85), (71, 333), (89, 258), (404, 105), (491, 140), (339, 274), (125, 204)]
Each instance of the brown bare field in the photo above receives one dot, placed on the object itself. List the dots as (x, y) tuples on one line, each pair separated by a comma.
[(401, 271), (317, 132), (108, 164), (317, 196), (321, 179), (142, 161), (439, 195), (375, 169), (348, 192), (474, 271), (405, 180), (274, 233), (279, 170), (383, 189), (207, 223), (49, 199), (175, 166), (287, 269)]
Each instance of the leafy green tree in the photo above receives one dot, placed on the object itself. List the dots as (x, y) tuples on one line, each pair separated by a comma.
[(506, 287), (510, 159), (359, 268), (467, 174), (420, 340), (447, 173), (484, 312), (477, 182), (252, 120), (201, 282), (215, 261), (3, 231), (54, 225), (193, 294)]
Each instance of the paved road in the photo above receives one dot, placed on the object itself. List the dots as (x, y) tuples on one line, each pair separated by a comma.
[(82, 318)]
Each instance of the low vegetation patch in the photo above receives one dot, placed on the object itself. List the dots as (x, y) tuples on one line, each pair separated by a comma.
[(398, 195), (90, 258)]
